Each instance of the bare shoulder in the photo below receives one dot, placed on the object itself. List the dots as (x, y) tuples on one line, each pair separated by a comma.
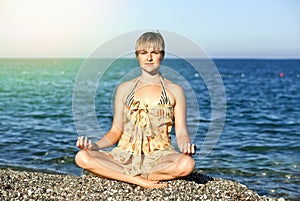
[(174, 89), (125, 87)]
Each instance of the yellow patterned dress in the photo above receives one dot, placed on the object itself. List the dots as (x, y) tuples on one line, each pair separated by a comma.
[(146, 136)]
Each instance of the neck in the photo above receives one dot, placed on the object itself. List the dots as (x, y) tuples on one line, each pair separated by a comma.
[(150, 78)]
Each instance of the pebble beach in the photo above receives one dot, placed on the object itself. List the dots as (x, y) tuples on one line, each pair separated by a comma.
[(32, 185)]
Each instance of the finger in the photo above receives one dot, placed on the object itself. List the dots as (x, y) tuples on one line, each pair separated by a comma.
[(185, 147), (85, 142), (90, 144), (193, 149), (79, 142), (181, 148)]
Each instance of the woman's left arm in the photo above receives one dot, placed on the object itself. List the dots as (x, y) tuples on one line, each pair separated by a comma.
[(182, 136)]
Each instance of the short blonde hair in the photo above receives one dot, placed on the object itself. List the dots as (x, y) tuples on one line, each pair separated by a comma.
[(150, 40)]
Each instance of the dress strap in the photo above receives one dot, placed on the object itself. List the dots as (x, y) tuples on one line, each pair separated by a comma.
[(130, 97), (164, 99)]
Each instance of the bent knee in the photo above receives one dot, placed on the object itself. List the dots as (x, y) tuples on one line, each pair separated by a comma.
[(82, 158), (186, 166)]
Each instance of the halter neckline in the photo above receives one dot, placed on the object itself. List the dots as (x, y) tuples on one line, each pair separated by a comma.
[(164, 98)]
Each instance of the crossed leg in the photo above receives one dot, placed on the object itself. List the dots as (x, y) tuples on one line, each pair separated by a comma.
[(103, 165), (172, 166)]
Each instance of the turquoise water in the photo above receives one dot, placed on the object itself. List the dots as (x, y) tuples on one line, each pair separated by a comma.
[(259, 145)]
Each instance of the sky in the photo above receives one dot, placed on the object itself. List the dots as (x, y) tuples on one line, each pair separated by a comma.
[(223, 28)]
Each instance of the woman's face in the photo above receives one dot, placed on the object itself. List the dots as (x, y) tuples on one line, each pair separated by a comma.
[(149, 59)]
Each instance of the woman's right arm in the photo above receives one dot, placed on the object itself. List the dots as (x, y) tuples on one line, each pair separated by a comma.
[(114, 134)]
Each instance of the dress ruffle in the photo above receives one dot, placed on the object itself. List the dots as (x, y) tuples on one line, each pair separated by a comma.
[(146, 137)]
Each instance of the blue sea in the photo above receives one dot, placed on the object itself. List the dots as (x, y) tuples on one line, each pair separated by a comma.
[(259, 145)]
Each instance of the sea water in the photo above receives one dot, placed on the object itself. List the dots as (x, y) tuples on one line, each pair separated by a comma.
[(258, 146)]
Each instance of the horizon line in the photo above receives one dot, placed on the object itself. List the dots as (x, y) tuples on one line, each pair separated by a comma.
[(241, 58)]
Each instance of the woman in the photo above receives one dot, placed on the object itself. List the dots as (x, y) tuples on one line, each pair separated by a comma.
[(145, 110)]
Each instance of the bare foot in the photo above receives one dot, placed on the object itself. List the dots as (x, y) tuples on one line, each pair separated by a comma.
[(155, 184), (150, 184)]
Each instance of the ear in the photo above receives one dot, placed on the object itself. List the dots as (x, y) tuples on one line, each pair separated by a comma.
[(162, 58), (136, 55), (163, 55)]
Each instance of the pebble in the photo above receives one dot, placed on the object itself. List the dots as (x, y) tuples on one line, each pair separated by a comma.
[(29, 185)]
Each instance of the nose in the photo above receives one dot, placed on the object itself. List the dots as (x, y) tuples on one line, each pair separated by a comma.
[(149, 58)]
